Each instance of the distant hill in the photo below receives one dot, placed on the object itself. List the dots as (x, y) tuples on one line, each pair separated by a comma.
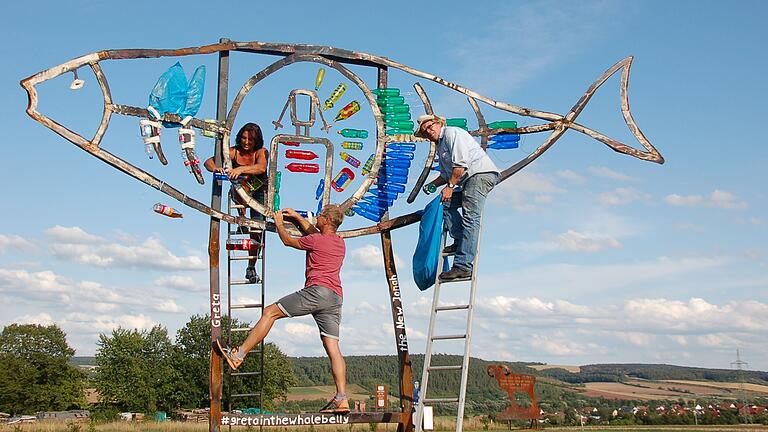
[(623, 372)]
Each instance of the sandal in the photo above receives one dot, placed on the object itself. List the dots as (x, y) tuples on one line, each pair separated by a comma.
[(230, 355), (336, 406)]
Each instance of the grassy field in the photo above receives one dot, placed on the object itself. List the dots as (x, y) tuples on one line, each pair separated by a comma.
[(669, 389)]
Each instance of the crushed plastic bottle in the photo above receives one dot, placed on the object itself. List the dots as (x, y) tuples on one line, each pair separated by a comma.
[(319, 78), (243, 244), (167, 211), (346, 157), (348, 111), (352, 145), (300, 154), (303, 167), (335, 96), (354, 133)]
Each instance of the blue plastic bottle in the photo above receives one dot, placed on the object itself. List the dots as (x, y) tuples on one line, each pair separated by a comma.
[(384, 193), (394, 154), (319, 190), (505, 137), (398, 163), (402, 146), (390, 170)]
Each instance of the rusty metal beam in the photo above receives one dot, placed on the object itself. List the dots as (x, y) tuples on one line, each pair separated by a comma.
[(214, 252)]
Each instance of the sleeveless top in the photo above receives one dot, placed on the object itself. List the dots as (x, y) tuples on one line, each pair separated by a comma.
[(255, 181)]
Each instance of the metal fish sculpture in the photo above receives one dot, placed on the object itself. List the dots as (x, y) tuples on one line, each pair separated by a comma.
[(555, 125)]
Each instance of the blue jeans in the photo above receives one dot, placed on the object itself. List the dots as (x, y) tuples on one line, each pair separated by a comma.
[(465, 227)]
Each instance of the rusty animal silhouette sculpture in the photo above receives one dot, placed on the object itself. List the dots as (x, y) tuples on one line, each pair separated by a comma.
[(515, 383)]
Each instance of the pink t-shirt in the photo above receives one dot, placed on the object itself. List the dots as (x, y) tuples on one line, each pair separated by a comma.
[(325, 255)]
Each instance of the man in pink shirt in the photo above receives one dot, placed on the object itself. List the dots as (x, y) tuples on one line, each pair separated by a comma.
[(321, 296)]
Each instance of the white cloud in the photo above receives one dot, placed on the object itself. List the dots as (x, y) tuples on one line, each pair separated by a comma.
[(609, 173), (167, 305), (718, 198), (72, 235), (569, 241), (620, 196), (523, 189), (74, 244), (571, 176), (635, 338), (15, 242), (181, 283), (368, 257), (41, 318)]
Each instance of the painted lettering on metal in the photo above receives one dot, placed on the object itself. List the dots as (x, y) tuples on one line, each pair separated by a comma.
[(216, 310)]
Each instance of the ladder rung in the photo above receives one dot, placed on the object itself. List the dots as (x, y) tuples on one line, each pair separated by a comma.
[(242, 282), (243, 257), (245, 305), (437, 400), (244, 373), (447, 308), (238, 395), (240, 329), (445, 337), (440, 368)]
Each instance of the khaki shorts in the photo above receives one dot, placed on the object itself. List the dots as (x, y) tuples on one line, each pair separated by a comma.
[(321, 302)]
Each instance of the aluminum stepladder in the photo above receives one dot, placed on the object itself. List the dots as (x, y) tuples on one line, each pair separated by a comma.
[(252, 375), (469, 307)]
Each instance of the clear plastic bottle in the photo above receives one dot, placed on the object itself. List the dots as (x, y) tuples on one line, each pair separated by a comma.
[(167, 211)]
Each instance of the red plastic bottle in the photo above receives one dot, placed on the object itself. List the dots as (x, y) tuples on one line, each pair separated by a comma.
[(303, 167), (300, 154), (242, 244)]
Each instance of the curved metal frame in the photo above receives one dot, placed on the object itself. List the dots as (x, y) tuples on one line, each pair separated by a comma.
[(557, 124)]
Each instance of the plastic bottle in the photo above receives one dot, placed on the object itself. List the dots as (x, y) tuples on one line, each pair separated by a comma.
[(390, 100), (291, 143), (458, 122), (320, 188), (300, 154), (392, 179), (387, 109), (505, 124), (383, 194), (191, 161), (149, 150), (354, 133), (505, 137), (379, 199), (504, 145), (391, 187), (278, 180), (386, 91), (320, 207), (224, 177), (352, 145), (319, 78), (348, 111), (375, 207), (167, 211), (394, 154), (397, 163), (243, 244), (396, 116), (402, 146), (150, 134), (335, 96), (303, 167), (368, 164), (346, 157), (366, 214), (399, 131), (306, 214), (276, 205), (430, 188), (391, 170), (342, 179), (401, 124)]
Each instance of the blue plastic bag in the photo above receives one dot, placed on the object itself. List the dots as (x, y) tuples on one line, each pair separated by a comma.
[(172, 94), (427, 253)]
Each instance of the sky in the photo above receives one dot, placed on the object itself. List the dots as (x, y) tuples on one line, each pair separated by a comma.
[(587, 256)]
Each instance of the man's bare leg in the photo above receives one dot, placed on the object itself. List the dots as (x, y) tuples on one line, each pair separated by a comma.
[(257, 334), (338, 366)]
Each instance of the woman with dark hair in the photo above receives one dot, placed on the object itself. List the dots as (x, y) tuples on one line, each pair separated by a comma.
[(249, 161)]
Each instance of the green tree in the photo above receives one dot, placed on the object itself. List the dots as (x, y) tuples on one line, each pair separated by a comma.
[(34, 371), (135, 370), (193, 348)]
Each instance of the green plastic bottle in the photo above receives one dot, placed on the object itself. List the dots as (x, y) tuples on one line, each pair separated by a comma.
[(394, 100), (387, 109), (386, 92), (354, 133), (276, 207), (458, 122), (402, 124), (506, 124), (397, 131), (392, 116)]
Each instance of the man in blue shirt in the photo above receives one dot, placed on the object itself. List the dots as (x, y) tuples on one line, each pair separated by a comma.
[(468, 175)]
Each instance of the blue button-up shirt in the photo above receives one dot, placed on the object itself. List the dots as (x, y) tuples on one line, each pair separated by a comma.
[(457, 148)]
